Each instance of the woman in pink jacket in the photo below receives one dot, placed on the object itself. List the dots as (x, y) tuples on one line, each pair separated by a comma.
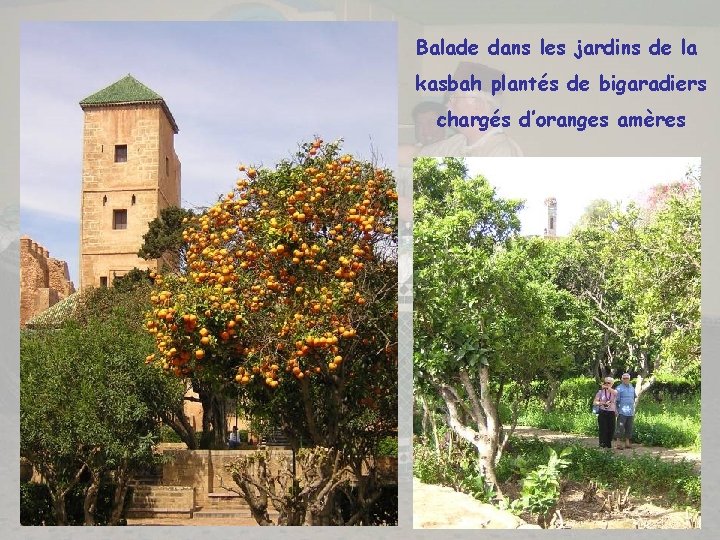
[(605, 401)]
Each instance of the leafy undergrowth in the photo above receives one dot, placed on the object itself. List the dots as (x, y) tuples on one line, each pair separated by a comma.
[(666, 483)]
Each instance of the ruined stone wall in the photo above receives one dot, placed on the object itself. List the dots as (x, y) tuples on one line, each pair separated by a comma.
[(43, 280)]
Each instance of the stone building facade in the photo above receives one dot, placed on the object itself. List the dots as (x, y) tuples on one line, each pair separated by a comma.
[(44, 281), (130, 173)]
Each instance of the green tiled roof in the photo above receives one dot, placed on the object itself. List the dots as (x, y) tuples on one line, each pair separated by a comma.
[(58, 313), (126, 91)]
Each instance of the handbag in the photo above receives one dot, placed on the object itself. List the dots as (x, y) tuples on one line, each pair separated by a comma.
[(596, 408)]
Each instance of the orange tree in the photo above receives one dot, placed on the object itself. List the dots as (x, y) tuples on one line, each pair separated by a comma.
[(290, 299)]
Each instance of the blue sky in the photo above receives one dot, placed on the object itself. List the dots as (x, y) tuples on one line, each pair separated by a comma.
[(240, 92)]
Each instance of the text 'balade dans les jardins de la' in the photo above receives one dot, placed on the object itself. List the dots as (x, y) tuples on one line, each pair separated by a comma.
[(493, 81)]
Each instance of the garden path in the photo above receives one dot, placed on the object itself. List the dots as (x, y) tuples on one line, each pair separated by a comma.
[(669, 454)]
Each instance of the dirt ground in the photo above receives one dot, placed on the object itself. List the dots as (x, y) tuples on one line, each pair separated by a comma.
[(581, 509), (441, 507), (195, 522)]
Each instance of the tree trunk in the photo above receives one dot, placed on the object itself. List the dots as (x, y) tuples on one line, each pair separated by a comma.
[(57, 494), (58, 502), (121, 488), (427, 414), (644, 365), (213, 420), (485, 432), (91, 494), (641, 386), (178, 422), (554, 386)]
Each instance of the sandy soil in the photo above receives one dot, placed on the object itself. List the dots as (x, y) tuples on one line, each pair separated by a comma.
[(439, 507)]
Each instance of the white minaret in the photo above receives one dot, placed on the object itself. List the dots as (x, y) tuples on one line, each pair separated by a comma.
[(551, 230)]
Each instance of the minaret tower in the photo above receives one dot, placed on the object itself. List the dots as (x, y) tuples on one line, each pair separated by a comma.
[(130, 173), (551, 230)]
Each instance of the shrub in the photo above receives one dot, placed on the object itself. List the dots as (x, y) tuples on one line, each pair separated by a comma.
[(455, 468), (428, 466), (541, 488), (35, 504), (671, 385), (388, 447), (576, 394)]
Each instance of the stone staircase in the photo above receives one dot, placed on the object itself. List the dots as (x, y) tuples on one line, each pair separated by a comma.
[(224, 504), (153, 500)]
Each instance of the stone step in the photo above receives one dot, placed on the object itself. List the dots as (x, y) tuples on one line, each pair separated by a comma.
[(203, 513), (222, 514), (146, 481), (226, 500), (135, 512), (163, 500)]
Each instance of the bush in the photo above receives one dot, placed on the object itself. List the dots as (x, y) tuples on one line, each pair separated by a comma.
[(455, 468), (428, 467), (670, 385), (35, 504), (541, 488), (168, 435), (576, 394), (388, 447)]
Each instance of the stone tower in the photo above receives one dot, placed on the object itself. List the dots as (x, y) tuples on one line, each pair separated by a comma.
[(551, 229), (130, 173)]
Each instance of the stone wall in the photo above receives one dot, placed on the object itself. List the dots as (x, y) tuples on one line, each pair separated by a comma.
[(43, 280), (204, 470)]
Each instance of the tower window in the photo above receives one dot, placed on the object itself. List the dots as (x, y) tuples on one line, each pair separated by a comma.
[(167, 166), (120, 153), (552, 223), (119, 219)]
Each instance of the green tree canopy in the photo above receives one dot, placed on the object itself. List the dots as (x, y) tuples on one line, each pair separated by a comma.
[(89, 405), (486, 320), (290, 302)]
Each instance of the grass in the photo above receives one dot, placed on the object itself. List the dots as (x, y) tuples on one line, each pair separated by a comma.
[(670, 423), (671, 483), (648, 476)]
